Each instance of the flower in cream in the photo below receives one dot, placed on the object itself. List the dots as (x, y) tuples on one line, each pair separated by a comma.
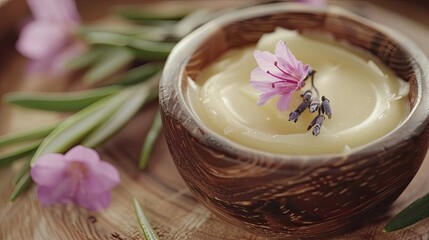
[(78, 177), (278, 74)]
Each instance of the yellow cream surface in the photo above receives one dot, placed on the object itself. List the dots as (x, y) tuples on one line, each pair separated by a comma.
[(367, 99)]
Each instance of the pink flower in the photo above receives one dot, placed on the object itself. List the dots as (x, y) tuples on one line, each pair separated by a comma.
[(51, 31), (279, 74), (78, 177)]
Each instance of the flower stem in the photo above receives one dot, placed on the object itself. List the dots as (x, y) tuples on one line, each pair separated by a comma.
[(313, 86)]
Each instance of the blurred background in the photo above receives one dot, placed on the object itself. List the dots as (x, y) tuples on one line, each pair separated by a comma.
[(160, 184)]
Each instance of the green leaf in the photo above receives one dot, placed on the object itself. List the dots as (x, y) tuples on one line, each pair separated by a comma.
[(76, 127), (415, 212), (149, 50), (113, 60), (86, 59), (60, 102), (13, 138), (150, 14), (142, 49), (147, 229), (106, 38), (139, 74), (9, 157), (138, 96), (21, 181), (149, 141)]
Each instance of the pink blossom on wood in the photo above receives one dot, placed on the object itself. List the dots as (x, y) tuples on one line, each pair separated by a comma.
[(78, 177)]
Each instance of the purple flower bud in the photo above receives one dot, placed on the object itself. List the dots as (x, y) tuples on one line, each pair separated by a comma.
[(293, 116), (301, 108), (314, 105), (326, 107), (307, 95), (316, 123), (316, 130)]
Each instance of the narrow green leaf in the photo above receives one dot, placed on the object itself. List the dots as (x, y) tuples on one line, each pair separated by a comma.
[(21, 181), (149, 141), (138, 96), (118, 27), (106, 38), (113, 60), (60, 102), (76, 127), (139, 74), (142, 49), (149, 50), (416, 211), (13, 138), (147, 229), (22, 185), (149, 14), (9, 157), (86, 59), (21, 172)]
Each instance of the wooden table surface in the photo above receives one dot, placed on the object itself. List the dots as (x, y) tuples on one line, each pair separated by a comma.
[(169, 205)]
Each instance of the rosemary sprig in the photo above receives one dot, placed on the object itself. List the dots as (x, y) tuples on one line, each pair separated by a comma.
[(75, 128), (138, 96), (112, 61), (106, 116), (71, 131), (147, 229)]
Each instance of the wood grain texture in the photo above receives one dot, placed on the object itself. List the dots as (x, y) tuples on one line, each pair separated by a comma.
[(167, 201)]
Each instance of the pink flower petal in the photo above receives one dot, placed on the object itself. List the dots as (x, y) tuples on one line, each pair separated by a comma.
[(284, 101), (101, 178), (38, 39), (58, 193), (82, 154), (49, 169), (262, 81), (59, 11), (266, 61), (285, 55), (266, 96), (93, 202)]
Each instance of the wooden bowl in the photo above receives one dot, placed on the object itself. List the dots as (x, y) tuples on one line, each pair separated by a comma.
[(285, 196)]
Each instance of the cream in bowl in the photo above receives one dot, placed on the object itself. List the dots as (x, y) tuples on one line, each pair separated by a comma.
[(234, 164), (368, 99)]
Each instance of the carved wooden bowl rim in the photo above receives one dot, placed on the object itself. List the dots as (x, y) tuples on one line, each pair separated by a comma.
[(172, 84)]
